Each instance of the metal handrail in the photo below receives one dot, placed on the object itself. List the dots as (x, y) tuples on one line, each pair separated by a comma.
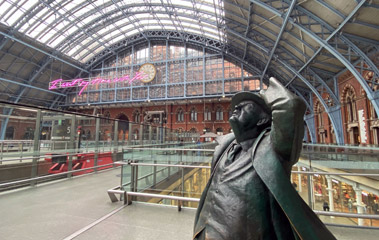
[(325, 213), (170, 149), (339, 174), (341, 146), (351, 215), (160, 165), (53, 175), (163, 196), (47, 156)]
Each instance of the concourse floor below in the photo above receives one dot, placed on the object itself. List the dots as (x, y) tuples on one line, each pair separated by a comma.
[(80, 208)]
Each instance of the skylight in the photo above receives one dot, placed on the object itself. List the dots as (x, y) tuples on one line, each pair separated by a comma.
[(102, 23)]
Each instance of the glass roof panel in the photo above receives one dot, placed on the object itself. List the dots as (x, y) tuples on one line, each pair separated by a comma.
[(69, 21), (185, 3), (87, 58), (73, 50), (56, 41), (81, 11), (13, 16)]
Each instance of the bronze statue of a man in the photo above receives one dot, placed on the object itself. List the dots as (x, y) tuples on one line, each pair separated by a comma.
[(249, 194)]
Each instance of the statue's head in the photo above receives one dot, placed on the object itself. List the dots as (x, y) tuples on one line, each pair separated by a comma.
[(249, 111)]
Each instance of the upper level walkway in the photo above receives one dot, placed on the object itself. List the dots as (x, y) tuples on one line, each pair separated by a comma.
[(79, 208)]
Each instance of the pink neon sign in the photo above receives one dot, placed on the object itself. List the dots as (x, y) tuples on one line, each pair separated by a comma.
[(80, 82)]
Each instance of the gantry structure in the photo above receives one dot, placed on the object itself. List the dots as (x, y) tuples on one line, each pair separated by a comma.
[(306, 44)]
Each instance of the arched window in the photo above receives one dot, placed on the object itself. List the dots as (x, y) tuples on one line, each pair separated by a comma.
[(350, 106), (349, 98), (207, 114), (319, 110), (136, 116), (180, 115), (219, 114), (9, 133), (193, 115)]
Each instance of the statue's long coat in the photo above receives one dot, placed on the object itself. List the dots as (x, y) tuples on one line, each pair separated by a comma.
[(274, 152)]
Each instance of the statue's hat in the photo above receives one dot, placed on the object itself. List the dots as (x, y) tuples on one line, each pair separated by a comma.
[(249, 96)]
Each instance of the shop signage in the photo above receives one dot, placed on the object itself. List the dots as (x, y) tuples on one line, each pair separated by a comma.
[(82, 83)]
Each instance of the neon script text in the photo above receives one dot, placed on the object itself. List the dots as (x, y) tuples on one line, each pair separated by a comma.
[(80, 82)]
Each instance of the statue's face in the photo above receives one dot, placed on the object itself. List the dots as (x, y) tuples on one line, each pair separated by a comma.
[(245, 116)]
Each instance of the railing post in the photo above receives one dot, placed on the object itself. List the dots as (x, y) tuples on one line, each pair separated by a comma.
[(71, 145), (132, 177), (360, 204), (155, 174), (130, 134), (169, 169), (36, 148), (330, 192), (310, 190), (1, 153), (21, 150), (97, 143), (150, 134), (182, 187), (115, 141), (141, 134), (136, 177)]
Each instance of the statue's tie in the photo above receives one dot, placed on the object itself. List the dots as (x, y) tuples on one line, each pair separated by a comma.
[(232, 153)]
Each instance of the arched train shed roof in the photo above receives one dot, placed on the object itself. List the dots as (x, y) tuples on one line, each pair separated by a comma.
[(306, 44)]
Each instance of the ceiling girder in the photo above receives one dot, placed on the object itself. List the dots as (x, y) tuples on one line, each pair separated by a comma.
[(372, 96), (42, 51), (30, 86), (281, 31)]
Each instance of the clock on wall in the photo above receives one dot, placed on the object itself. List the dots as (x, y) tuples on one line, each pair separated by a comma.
[(150, 70)]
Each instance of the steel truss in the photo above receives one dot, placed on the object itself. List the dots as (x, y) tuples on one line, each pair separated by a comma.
[(259, 53)]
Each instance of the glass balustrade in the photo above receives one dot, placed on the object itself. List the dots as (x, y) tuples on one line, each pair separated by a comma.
[(43, 145), (39, 145)]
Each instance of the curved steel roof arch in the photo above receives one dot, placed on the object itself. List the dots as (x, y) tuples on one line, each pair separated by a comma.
[(206, 20), (257, 71), (189, 29), (313, 88), (191, 39), (161, 10), (74, 18), (373, 96), (116, 10)]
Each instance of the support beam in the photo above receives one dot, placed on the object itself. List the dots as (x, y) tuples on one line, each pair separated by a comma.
[(340, 26), (335, 116), (285, 21), (373, 97), (310, 121), (247, 29), (42, 51), (30, 86)]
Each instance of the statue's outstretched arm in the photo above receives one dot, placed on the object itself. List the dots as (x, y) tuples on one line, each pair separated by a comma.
[(287, 128)]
